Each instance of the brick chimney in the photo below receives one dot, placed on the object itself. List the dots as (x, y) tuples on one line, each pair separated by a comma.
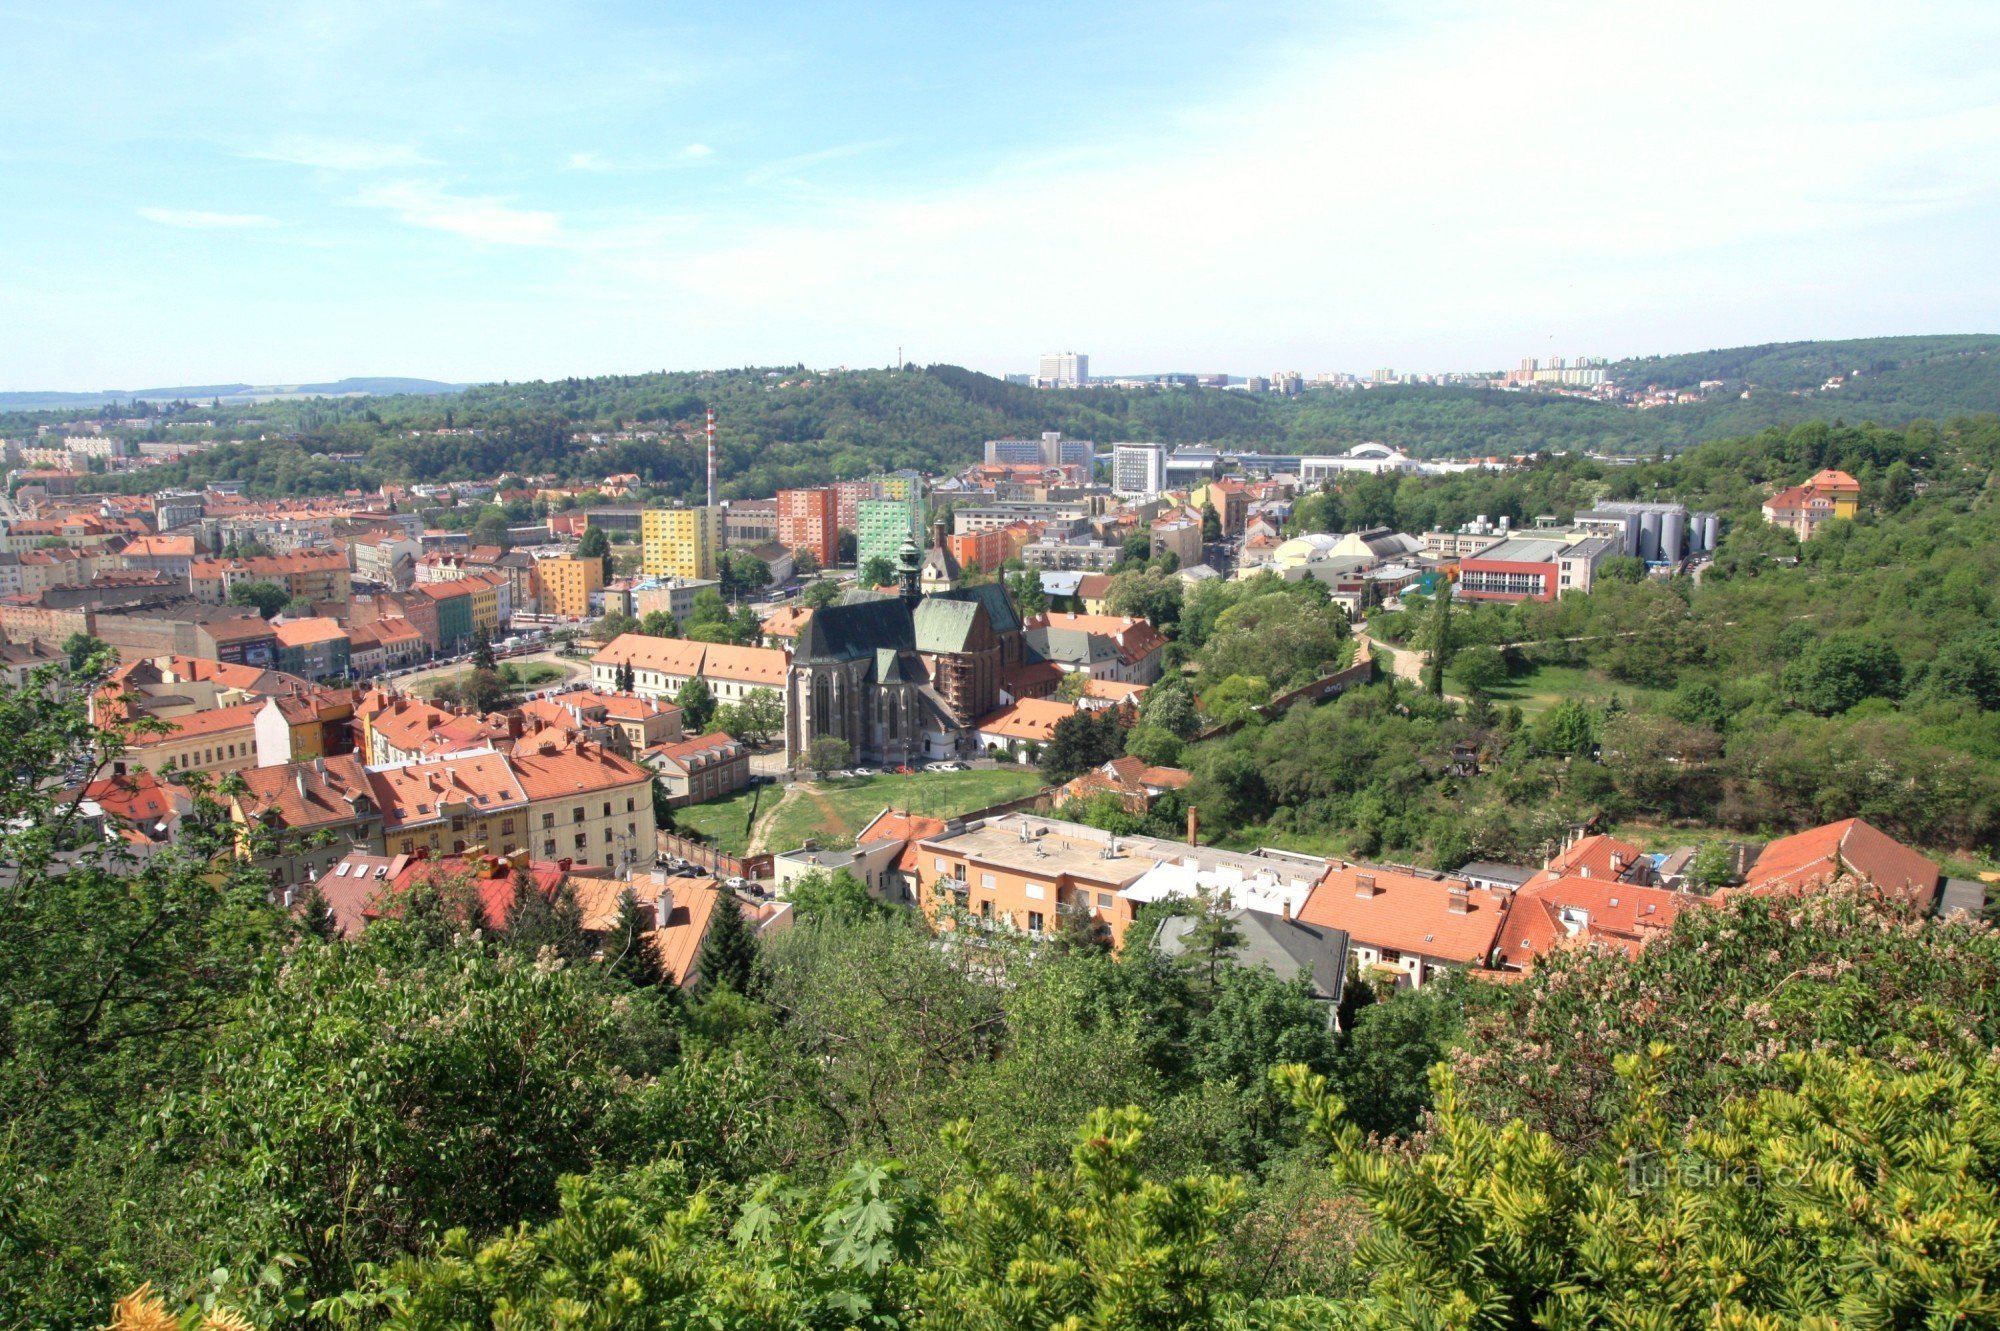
[(1364, 886), (1458, 899), (1194, 826)]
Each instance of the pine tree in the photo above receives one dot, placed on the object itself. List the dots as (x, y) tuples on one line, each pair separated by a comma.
[(315, 916), (482, 652), (555, 920), (729, 953), (628, 948)]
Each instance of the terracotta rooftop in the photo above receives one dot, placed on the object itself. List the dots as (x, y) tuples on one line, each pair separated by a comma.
[(1815, 857), (1564, 912), (1030, 719), (1407, 912)]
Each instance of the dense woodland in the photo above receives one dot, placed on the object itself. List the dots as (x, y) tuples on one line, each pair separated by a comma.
[(1787, 686), (792, 426)]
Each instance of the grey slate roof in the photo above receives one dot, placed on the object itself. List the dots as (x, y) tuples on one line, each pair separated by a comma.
[(1491, 872), (1286, 947), (1961, 894), (1072, 647), (855, 629)]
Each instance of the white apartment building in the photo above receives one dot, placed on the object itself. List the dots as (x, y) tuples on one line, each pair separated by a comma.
[(1138, 469)]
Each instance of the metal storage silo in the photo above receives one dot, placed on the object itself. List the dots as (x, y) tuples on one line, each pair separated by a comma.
[(1649, 536), (1711, 530), (1673, 535)]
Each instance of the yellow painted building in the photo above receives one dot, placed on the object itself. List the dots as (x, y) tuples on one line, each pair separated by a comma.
[(567, 584), (485, 603), (679, 542)]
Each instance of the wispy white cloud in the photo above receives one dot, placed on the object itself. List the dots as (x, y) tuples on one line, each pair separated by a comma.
[(194, 219), (603, 162), (340, 154), (483, 218), (787, 167)]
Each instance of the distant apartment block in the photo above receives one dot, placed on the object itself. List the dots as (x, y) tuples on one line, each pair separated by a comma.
[(680, 542), (883, 526), (1051, 450), (568, 583), (809, 520), (1063, 369), (1138, 469)]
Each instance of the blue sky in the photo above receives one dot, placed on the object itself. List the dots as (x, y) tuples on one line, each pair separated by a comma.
[(205, 192)]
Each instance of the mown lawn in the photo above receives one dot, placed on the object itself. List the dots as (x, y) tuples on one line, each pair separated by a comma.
[(1537, 690), (833, 811)]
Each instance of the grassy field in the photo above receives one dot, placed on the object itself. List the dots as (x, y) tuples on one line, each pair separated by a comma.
[(1543, 687), (833, 811), (519, 675)]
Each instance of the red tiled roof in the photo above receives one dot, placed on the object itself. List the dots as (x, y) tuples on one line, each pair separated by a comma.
[(1815, 857), (306, 632), (1560, 912), (416, 793), (216, 721), (1596, 856), (1029, 719), (1408, 913), (310, 794), (137, 797), (689, 755), (553, 771)]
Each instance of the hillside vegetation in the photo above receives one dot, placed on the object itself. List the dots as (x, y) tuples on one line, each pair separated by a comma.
[(790, 426)]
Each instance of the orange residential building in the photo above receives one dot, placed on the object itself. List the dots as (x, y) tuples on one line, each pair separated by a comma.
[(809, 520), (1804, 509)]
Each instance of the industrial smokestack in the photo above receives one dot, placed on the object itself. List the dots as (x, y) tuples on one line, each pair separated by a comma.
[(1194, 826), (711, 457)]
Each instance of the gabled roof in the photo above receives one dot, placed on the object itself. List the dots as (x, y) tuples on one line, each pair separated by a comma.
[(414, 794), (216, 721), (311, 794), (764, 666), (1549, 913), (1288, 947), (1031, 719), (1814, 858), (1597, 856), (944, 626), (1407, 912), (846, 632), (999, 610), (692, 755), (139, 798), (553, 771)]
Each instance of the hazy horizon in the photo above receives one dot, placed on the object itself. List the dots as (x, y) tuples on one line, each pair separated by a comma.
[(215, 193)]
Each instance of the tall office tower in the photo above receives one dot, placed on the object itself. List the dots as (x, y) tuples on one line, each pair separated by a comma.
[(1064, 369), (1138, 469), (680, 542), (810, 520)]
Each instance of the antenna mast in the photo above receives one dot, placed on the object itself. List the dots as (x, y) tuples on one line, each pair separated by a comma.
[(711, 457)]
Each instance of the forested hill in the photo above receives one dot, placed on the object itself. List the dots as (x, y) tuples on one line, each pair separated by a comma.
[(1946, 365), (791, 426)]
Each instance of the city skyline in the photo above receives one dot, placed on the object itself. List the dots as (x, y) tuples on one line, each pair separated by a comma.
[(222, 195)]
